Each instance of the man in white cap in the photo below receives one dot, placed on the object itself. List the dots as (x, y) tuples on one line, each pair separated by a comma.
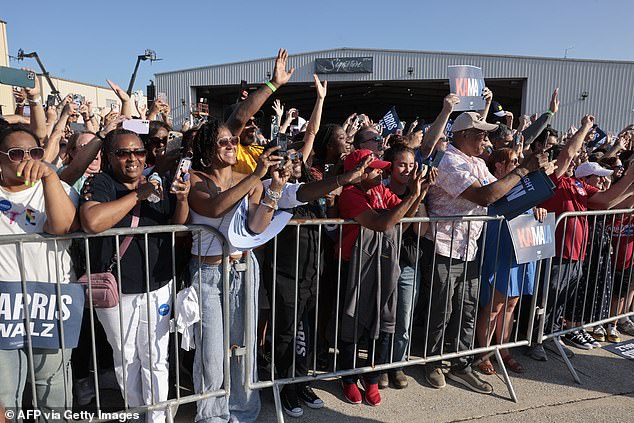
[(464, 186), (592, 173)]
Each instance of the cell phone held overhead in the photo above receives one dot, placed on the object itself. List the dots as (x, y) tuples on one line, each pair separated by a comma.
[(17, 77)]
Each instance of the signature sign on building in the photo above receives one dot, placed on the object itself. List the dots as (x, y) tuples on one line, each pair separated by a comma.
[(344, 65)]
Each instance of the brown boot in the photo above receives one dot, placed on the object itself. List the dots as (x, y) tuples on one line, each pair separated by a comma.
[(398, 379), (383, 381)]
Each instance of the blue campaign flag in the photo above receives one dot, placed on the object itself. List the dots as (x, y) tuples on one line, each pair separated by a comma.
[(531, 190), (390, 122), (44, 314)]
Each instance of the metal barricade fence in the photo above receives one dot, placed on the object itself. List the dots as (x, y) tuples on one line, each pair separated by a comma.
[(104, 412), (448, 312), (588, 283)]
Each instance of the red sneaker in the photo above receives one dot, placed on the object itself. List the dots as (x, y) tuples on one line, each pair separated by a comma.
[(372, 394), (352, 393)]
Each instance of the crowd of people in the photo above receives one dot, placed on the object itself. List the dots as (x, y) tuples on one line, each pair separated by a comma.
[(370, 282)]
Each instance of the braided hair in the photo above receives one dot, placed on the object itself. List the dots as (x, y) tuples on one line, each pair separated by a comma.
[(205, 143)]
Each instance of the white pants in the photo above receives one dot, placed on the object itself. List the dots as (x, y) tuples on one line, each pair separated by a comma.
[(144, 346)]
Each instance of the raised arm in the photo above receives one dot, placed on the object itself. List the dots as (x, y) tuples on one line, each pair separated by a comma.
[(315, 118), (51, 148), (488, 98), (573, 145), (537, 127), (127, 108), (254, 102), (437, 129), (489, 194), (38, 116)]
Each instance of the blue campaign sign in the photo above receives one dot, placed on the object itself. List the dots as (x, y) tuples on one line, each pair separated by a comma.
[(531, 190), (390, 122), (44, 314), (467, 82)]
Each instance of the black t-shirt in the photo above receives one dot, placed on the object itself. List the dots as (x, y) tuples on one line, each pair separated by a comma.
[(103, 188)]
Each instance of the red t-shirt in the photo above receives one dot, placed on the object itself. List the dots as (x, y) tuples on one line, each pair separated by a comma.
[(571, 195), (622, 241), (353, 202)]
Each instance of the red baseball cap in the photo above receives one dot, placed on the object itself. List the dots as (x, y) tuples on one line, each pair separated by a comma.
[(357, 156)]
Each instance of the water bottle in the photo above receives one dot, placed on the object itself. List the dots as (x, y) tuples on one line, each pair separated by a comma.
[(154, 197)]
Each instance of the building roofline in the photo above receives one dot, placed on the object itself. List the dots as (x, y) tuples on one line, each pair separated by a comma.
[(76, 82), (510, 56)]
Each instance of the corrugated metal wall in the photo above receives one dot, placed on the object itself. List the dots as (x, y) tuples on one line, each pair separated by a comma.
[(610, 85)]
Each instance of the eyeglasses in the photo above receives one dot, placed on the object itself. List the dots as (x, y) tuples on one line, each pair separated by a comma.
[(16, 155), (126, 153), (224, 142), (617, 168)]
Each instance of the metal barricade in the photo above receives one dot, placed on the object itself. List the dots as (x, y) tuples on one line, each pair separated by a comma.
[(579, 292), (103, 411), (324, 291)]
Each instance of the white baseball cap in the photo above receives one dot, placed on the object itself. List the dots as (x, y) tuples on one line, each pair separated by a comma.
[(591, 168), (472, 120)]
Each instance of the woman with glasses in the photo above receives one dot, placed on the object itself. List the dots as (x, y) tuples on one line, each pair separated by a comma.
[(110, 200), (34, 201), (218, 194), (500, 294), (155, 142)]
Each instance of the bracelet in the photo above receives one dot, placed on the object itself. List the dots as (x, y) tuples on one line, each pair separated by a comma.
[(98, 135), (272, 207), (550, 112), (21, 104), (35, 101), (271, 86), (275, 196)]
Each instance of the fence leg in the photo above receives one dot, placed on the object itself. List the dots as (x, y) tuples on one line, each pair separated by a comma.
[(507, 379), (572, 370), (278, 404), (169, 414)]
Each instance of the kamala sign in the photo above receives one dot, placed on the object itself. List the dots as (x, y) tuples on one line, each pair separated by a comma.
[(344, 65)]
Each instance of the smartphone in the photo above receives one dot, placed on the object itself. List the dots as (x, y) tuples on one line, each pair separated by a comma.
[(294, 114), (162, 97), (359, 120), (137, 125), (174, 142), (115, 107), (517, 138), (17, 77), (243, 86), (183, 167), (429, 164), (50, 100)]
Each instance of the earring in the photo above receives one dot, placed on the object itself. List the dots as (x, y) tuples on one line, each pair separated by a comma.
[(205, 165)]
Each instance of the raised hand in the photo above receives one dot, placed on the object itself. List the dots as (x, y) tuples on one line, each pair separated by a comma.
[(123, 96), (355, 175), (554, 101), (278, 108), (587, 120), (35, 92), (487, 94), (320, 87), (280, 75), (266, 160), (450, 101)]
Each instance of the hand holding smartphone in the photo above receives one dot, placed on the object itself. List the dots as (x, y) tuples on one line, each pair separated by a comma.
[(182, 172)]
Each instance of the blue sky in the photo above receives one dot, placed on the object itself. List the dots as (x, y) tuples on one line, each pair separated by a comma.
[(89, 42)]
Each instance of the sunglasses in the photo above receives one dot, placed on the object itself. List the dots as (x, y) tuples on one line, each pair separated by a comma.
[(377, 138), (16, 155), (224, 142), (126, 153), (157, 140)]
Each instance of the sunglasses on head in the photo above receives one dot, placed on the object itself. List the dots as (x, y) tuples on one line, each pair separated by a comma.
[(377, 138), (126, 153), (224, 142), (16, 155)]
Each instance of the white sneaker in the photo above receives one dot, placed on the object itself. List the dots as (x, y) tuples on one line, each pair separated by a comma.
[(84, 391)]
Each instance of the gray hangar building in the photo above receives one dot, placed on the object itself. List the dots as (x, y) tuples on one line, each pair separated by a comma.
[(372, 81)]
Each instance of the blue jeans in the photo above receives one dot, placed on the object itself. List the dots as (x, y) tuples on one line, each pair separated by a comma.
[(49, 379), (408, 284), (242, 405)]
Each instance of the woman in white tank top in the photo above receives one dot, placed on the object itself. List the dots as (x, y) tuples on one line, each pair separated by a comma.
[(216, 190)]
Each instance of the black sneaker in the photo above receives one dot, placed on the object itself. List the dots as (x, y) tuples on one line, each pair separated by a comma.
[(290, 402), (590, 339), (309, 396), (576, 339)]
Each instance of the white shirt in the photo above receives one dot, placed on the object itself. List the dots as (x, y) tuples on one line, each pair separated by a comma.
[(456, 173), (24, 213)]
